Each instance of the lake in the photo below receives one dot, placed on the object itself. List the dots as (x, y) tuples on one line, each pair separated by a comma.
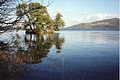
[(64, 55)]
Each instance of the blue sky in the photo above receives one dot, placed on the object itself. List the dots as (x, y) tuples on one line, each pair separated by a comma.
[(79, 11)]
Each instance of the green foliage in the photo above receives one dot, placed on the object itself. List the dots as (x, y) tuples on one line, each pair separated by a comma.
[(34, 6), (58, 22), (38, 16), (38, 27), (21, 9), (41, 16)]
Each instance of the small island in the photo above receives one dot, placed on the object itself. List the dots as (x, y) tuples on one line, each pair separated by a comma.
[(36, 19)]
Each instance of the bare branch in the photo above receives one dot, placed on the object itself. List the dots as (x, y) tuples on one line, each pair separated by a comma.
[(49, 3)]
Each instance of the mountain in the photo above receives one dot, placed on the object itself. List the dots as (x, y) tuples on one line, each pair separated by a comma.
[(106, 24)]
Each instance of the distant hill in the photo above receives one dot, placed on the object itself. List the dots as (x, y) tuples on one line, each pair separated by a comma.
[(106, 24)]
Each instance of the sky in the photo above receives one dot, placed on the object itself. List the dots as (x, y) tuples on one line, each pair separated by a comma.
[(80, 11)]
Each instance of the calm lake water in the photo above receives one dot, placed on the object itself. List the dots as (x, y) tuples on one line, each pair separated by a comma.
[(65, 55)]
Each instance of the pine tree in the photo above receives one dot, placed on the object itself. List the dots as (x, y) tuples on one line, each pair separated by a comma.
[(58, 22)]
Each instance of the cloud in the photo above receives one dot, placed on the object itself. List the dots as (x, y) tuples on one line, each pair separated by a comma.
[(72, 18), (100, 16), (89, 18)]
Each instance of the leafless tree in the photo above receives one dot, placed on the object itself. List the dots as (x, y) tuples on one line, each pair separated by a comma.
[(8, 16), (7, 13)]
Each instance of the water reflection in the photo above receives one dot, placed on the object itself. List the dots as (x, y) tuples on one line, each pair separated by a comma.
[(83, 55), (27, 49), (38, 46)]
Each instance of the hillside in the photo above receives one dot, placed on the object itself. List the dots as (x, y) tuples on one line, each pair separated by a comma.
[(106, 24)]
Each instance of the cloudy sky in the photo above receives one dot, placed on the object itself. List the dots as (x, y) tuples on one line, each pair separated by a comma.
[(79, 11)]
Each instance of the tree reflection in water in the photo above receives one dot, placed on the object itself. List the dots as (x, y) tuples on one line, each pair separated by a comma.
[(28, 50)]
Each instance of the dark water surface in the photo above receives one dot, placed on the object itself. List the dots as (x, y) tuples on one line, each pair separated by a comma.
[(65, 55)]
